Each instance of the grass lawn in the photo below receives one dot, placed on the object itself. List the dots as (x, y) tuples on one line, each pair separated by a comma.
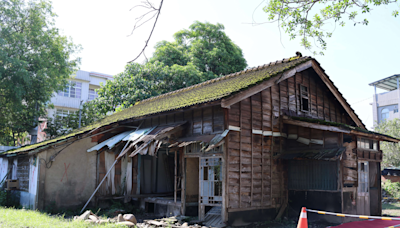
[(10, 217), (391, 209)]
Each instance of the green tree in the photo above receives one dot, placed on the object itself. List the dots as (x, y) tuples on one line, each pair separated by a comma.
[(391, 151), (198, 54), (307, 18), (35, 61), (58, 125), (205, 45)]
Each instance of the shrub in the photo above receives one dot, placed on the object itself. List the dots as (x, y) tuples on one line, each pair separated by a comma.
[(392, 188)]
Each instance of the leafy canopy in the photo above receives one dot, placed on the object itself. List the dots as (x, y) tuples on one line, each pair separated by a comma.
[(35, 61), (197, 54), (307, 19), (391, 155)]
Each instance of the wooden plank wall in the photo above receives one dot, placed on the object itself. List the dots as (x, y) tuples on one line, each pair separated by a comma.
[(200, 121), (329, 139), (249, 165), (349, 163), (323, 105), (254, 179), (101, 169)]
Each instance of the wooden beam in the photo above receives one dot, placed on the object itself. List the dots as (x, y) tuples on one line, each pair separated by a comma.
[(315, 126), (336, 93), (337, 129), (293, 71)]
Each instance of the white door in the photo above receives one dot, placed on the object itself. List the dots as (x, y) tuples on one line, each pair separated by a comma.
[(210, 177)]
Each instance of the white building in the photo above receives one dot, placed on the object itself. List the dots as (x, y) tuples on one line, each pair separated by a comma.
[(81, 87), (385, 105)]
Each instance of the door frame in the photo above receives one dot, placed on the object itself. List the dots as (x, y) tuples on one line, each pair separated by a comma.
[(202, 206), (363, 191)]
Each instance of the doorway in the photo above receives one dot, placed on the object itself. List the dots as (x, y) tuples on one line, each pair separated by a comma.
[(363, 207), (210, 200)]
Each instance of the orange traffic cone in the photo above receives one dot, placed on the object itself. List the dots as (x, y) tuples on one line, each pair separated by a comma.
[(303, 219)]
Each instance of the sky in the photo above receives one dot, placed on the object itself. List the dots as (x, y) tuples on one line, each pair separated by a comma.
[(355, 57)]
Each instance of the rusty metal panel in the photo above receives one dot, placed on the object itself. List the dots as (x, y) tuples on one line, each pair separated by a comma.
[(312, 175)]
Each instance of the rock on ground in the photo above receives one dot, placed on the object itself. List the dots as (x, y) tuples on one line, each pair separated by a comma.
[(130, 218)]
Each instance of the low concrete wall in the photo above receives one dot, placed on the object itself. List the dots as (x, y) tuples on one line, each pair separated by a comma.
[(70, 179)]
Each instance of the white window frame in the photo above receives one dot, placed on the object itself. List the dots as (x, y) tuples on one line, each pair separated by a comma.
[(92, 94), (385, 115), (71, 90), (63, 112)]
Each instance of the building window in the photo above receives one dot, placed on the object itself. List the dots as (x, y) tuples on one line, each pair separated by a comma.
[(73, 89), (64, 112), (92, 94), (304, 99), (367, 144), (384, 114)]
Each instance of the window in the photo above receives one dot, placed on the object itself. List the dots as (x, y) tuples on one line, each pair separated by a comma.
[(92, 94), (384, 114), (304, 98), (363, 177), (367, 144), (73, 89), (64, 112)]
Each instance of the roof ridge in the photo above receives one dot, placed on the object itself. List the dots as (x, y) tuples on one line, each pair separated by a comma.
[(260, 67)]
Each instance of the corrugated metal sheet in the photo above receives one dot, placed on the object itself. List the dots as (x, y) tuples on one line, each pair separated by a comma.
[(133, 135), (312, 175), (136, 135)]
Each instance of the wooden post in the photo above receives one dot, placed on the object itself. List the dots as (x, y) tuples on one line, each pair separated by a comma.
[(183, 181), (139, 165), (262, 148), (97, 174), (272, 145), (225, 177), (252, 150), (240, 154), (175, 176)]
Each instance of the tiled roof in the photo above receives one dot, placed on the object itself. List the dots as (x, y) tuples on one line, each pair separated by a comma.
[(207, 91)]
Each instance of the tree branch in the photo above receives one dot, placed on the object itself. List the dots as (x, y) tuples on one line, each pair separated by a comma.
[(152, 30)]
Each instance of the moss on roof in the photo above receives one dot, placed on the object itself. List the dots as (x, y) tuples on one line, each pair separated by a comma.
[(207, 91)]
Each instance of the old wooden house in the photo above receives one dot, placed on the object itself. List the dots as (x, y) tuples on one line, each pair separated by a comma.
[(249, 145)]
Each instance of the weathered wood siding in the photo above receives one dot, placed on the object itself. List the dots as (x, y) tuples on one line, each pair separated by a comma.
[(101, 169), (250, 172), (323, 105), (254, 178), (200, 121)]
